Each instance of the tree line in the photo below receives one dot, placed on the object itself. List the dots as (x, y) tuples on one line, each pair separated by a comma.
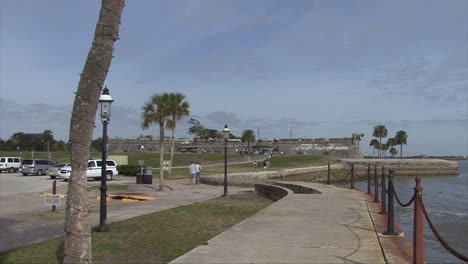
[(380, 132), (44, 141)]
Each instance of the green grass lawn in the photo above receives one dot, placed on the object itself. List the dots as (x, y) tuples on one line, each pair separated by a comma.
[(277, 163), (150, 158), (154, 238)]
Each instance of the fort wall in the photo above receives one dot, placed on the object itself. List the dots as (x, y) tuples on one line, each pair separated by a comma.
[(337, 147)]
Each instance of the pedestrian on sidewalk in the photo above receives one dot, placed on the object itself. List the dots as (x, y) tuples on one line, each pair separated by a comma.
[(193, 172), (198, 170)]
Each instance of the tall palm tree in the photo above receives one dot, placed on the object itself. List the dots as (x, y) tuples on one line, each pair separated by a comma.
[(380, 132), (248, 136), (178, 109), (384, 148), (77, 229), (391, 142), (156, 110), (393, 151), (374, 143), (401, 138)]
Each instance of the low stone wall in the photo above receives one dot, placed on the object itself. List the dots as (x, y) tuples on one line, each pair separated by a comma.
[(406, 167), (249, 179), (273, 192)]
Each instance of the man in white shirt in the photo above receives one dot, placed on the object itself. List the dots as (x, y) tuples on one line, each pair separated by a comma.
[(193, 172)]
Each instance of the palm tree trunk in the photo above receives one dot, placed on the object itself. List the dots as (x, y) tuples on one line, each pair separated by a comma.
[(172, 150), (401, 150), (161, 156), (77, 229), (380, 146)]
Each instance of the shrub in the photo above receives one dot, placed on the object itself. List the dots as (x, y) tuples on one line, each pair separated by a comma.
[(129, 170)]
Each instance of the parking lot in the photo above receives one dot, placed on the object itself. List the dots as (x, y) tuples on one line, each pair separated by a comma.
[(16, 183)]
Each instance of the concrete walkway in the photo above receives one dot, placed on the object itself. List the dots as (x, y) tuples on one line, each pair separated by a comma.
[(332, 227), (24, 219)]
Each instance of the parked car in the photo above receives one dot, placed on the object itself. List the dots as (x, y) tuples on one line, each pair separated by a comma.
[(35, 166), (93, 170), (54, 171), (10, 164)]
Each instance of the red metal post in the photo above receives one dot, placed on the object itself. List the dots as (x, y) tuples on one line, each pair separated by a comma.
[(54, 191), (383, 209), (329, 172), (418, 234), (368, 180), (376, 185)]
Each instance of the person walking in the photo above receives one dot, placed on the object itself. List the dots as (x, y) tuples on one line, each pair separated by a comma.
[(198, 169), (193, 172)]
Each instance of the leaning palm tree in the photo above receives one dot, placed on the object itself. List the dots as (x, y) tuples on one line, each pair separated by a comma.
[(178, 109), (156, 110), (77, 229), (248, 136), (374, 143), (380, 132), (401, 138)]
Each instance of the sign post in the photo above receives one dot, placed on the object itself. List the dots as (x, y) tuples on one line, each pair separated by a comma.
[(141, 163)]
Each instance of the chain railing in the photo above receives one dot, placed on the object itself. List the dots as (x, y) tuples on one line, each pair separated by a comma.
[(437, 234), (418, 226), (388, 195)]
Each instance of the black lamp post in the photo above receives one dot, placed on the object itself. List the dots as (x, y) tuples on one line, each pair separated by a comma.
[(105, 101), (226, 138)]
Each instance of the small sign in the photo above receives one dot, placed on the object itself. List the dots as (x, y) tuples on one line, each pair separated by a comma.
[(141, 163), (52, 199), (166, 168), (166, 163)]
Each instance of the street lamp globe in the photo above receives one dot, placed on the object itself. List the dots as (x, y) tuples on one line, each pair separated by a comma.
[(226, 132), (105, 101)]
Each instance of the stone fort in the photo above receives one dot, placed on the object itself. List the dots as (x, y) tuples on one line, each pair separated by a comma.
[(346, 147)]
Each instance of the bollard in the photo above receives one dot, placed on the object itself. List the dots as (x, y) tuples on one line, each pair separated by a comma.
[(329, 172), (368, 180), (391, 213), (54, 191), (383, 209), (418, 234), (352, 175), (376, 185)]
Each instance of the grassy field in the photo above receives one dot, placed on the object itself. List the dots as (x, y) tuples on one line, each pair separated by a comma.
[(150, 158), (154, 238)]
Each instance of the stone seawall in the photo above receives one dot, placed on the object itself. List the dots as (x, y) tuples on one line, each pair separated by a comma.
[(406, 167)]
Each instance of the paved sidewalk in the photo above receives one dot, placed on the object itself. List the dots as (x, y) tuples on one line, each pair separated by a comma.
[(332, 227), (32, 221)]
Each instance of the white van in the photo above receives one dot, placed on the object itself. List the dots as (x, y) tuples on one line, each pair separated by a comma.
[(10, 164)]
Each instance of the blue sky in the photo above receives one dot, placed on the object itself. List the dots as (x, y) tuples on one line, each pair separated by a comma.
[(329, 68)]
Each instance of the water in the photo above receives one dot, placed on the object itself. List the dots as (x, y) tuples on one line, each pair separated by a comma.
[(446, 201)]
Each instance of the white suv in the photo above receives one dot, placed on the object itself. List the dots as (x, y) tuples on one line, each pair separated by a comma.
[(93, 170)]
